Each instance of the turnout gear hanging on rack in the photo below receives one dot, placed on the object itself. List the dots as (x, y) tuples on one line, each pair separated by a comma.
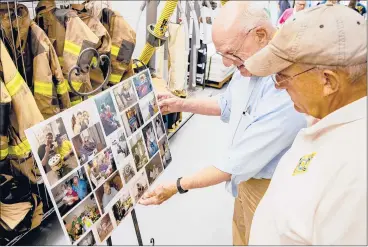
[(37, 62), (70, 36), (18, 112), (20, 209), (104, 45), (123, 43)]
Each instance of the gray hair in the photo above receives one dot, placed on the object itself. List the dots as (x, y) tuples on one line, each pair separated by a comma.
[(354, 72)]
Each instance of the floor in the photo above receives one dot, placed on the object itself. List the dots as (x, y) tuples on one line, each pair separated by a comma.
[(200, 217)]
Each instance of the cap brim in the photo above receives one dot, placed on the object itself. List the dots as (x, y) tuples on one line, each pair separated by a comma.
[(265, 63)]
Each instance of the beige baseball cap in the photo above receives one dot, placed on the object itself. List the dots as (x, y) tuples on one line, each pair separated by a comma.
[(327, 34)]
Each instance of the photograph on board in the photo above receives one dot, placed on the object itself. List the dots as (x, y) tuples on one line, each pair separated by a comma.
[(104, 227), (143, 84), (125, 95), (107, 112), (88, 240), (128, 170), (139, 151), (80, 118), (139, 186), (132, 119), (55, 150), (159, 126), (108, 190), (150, 139), (148, 106), (89, 142), (101, 167), (154, 169), (71, 191), (82, 218), (165, 152), (119, 146), (122, 207)]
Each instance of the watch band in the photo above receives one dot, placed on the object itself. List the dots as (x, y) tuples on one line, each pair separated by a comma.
[(180, 189)]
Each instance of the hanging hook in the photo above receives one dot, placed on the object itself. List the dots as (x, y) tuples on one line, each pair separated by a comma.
[(85, 68), (21, 52), (11, 31)]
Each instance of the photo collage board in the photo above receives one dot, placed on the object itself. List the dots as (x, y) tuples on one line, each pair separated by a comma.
[(99, 157)]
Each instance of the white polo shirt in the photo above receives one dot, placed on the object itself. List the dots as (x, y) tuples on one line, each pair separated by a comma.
[(318, 193)]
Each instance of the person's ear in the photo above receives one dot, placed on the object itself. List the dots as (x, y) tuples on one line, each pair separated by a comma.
[(261, 36), (331, 82)]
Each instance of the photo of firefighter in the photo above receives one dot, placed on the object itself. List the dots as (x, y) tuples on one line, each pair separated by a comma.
[(122, 207), (89, 142), (132, 120), (88, 240), (71, 191), (159, 126), (108, 190), (101, 167), (107, 111), (148, 106), (125, 95), (81, 218), (150, 139), (165, 152), (104, 227), (143, 84), (119, 146), (55, 150), (139, 186), (154, 169), (128, 170), (139, 152)]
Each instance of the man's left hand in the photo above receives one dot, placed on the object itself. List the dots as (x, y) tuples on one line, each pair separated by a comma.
[(159, 195)]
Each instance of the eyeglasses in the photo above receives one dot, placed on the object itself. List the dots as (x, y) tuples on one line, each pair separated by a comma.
[(231, 56), (283, 80)]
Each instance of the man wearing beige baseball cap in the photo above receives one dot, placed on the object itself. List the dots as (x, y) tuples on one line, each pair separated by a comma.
[(318, 193)]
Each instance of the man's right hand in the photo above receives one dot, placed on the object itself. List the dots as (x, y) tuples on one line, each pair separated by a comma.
[(169, 103)]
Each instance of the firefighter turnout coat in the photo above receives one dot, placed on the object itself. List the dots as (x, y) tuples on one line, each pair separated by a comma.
[(36, 59), (18, 112)]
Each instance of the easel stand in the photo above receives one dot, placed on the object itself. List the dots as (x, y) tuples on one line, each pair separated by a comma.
[(137, 231)]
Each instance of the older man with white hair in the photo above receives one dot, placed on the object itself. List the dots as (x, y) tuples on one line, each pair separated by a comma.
[(318, 193), (262, 120)]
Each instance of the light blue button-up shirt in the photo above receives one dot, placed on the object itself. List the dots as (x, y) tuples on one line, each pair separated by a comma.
[(263, 125)]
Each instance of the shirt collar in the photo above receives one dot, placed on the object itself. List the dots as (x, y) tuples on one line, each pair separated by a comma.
[(352, 112)]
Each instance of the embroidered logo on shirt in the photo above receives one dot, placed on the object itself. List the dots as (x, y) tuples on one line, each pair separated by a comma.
[(303, 164)]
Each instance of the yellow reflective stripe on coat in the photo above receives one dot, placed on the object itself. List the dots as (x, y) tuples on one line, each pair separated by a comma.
[(115, 78), (20, 149), (115, 50), (61, 61), (44, 88), (14, 84), (4, 153), (94, 61), (62, 87), (75, 102), (76, 85), (72, 48)]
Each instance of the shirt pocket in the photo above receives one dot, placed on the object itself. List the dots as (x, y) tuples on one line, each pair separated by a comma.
[(245, 121)]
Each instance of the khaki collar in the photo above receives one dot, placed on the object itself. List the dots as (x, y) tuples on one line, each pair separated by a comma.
[(20, 24), (352, 112)]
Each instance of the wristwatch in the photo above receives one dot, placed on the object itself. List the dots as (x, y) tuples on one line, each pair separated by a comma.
[(180, 189)]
